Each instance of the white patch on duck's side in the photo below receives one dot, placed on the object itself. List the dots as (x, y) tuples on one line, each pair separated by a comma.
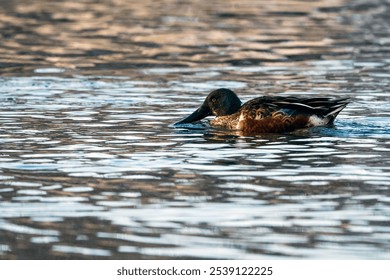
[(317, 121)]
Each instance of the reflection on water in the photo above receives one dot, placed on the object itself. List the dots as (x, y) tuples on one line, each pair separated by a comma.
[(91, 166)]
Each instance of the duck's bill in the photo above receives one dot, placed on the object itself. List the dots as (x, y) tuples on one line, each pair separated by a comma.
[(199, 114)]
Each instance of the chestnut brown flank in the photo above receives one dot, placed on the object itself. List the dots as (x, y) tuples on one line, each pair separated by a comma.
[(273, 124)]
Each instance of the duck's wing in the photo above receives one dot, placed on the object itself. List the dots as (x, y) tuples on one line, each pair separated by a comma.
[(322, 107)]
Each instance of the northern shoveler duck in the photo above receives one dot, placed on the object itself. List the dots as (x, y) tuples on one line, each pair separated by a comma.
[(276, 114)]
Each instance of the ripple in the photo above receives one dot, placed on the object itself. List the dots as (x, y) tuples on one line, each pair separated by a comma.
[(31, 192), (25, 229), (49, 70), (44, 239), (81, 250), (78, 189), (53, 206)]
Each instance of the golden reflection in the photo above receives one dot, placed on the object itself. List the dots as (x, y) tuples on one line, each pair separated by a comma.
[(157, 32)]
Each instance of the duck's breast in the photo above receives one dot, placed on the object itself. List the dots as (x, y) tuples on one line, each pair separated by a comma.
[(229, 122)]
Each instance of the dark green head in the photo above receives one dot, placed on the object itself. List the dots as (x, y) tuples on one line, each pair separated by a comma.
[(220, 102)]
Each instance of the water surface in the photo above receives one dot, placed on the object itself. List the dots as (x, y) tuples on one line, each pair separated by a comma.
[(91, 166)]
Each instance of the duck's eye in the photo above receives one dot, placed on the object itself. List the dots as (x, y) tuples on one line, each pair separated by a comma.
[(214, 100)]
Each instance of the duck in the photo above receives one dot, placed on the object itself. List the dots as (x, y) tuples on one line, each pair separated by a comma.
[(266, 114)]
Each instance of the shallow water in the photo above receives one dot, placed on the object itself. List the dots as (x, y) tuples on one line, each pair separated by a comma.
[(91, 166)]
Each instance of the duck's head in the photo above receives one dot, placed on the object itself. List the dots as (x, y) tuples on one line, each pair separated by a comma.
[(220, 102)]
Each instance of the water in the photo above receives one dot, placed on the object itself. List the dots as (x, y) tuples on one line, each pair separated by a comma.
[(91, 166)]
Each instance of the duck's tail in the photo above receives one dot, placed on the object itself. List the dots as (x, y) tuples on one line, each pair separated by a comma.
[(335, 108)]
